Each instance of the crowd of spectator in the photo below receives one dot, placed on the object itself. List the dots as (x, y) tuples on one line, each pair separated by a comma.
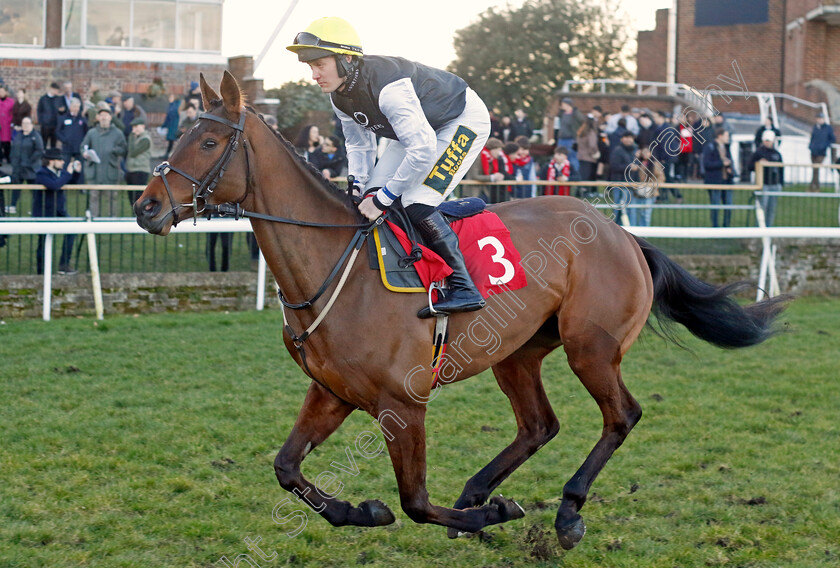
[(101, 138), (622, 147), (104, 139)]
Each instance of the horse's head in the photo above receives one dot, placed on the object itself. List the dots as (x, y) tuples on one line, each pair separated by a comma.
[(209, 166)]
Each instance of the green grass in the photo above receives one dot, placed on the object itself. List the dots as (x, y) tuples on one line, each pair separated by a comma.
[(149, 441)]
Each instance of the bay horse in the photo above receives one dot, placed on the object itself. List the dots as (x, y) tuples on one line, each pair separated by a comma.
[(592, 287)]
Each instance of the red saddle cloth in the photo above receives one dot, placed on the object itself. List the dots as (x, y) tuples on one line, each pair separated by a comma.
[(491, 258)]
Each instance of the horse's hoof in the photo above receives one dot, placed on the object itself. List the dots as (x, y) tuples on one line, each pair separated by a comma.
[(378, 512), (455, 533), (569, 535), (508, 508)]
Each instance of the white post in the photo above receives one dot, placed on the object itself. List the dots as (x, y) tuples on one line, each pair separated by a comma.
[(774, 280), (671, 69), (261, 283), (765, 251), (94, 273), (48, 255)]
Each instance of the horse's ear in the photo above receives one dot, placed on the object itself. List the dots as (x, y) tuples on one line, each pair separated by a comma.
[(231, 94), (207, 93)]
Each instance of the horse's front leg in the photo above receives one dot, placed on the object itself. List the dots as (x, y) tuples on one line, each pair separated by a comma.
[(405, 432), (322, 413)]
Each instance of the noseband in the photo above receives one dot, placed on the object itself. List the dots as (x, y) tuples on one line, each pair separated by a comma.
[(203, 188)]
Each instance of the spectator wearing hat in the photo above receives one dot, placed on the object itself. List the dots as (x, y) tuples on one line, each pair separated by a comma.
[(768, 126), (822, 137), (52, 202), (71, 130), (130, 111), (115, 101), (47, 110), (773, 177), (567, 124), (616, 135), (193, 97), (93, 115), (108, 145), (27, 150), (138, 161)]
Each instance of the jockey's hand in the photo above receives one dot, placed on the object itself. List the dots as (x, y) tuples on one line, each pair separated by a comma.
[(369, 210)]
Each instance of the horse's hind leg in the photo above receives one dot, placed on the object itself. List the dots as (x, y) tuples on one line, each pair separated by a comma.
[(322, 413), (595, 356), (519, 378)]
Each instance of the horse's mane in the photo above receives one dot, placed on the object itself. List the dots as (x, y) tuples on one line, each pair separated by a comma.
[(331, 189)]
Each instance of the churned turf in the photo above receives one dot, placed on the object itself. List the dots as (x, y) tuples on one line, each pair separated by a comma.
[(149, 441)]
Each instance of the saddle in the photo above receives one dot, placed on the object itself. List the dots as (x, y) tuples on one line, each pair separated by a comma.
[(491, 258)]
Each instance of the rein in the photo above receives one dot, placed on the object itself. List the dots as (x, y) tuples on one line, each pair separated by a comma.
[(203, 188)]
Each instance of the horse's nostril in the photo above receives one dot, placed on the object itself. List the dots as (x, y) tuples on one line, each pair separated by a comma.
[(149, 207)]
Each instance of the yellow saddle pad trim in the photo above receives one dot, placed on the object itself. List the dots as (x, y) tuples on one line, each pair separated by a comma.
[(382, 272)]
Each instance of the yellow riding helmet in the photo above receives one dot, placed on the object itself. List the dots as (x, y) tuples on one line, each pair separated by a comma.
[(326, 36)]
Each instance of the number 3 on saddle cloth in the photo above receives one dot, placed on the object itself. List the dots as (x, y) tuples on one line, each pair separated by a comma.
[(489, 254)]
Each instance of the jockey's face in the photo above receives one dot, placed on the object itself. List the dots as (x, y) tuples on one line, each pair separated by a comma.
[(325, 73)]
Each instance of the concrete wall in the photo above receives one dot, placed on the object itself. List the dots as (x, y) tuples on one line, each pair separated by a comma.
[(21, 296)]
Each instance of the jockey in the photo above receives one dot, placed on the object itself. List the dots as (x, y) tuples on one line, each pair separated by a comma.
[(435, 124)]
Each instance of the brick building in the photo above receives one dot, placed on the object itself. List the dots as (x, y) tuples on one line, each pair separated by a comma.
[(781, 46), (652, 55), (122, 45)]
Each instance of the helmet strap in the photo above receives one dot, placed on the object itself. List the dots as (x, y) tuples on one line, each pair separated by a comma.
[(343, 66)]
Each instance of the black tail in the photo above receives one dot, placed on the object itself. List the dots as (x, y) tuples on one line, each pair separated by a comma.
[(707, 311)]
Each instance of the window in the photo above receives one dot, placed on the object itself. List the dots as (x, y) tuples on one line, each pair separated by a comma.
[(728, 13), (22, 22), (200, 26), (194, 25), (154, 25), (72, 24), (108, 22)]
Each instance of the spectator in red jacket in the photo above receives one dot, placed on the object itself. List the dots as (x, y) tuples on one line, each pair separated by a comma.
[(559, 169)]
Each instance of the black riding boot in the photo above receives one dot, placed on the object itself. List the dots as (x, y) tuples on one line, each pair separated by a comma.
[(462, 295)]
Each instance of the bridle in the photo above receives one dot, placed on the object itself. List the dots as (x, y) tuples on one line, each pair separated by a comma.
[(203, 188)]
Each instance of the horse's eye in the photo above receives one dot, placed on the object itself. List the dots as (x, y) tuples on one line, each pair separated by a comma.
[(208, 144)]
